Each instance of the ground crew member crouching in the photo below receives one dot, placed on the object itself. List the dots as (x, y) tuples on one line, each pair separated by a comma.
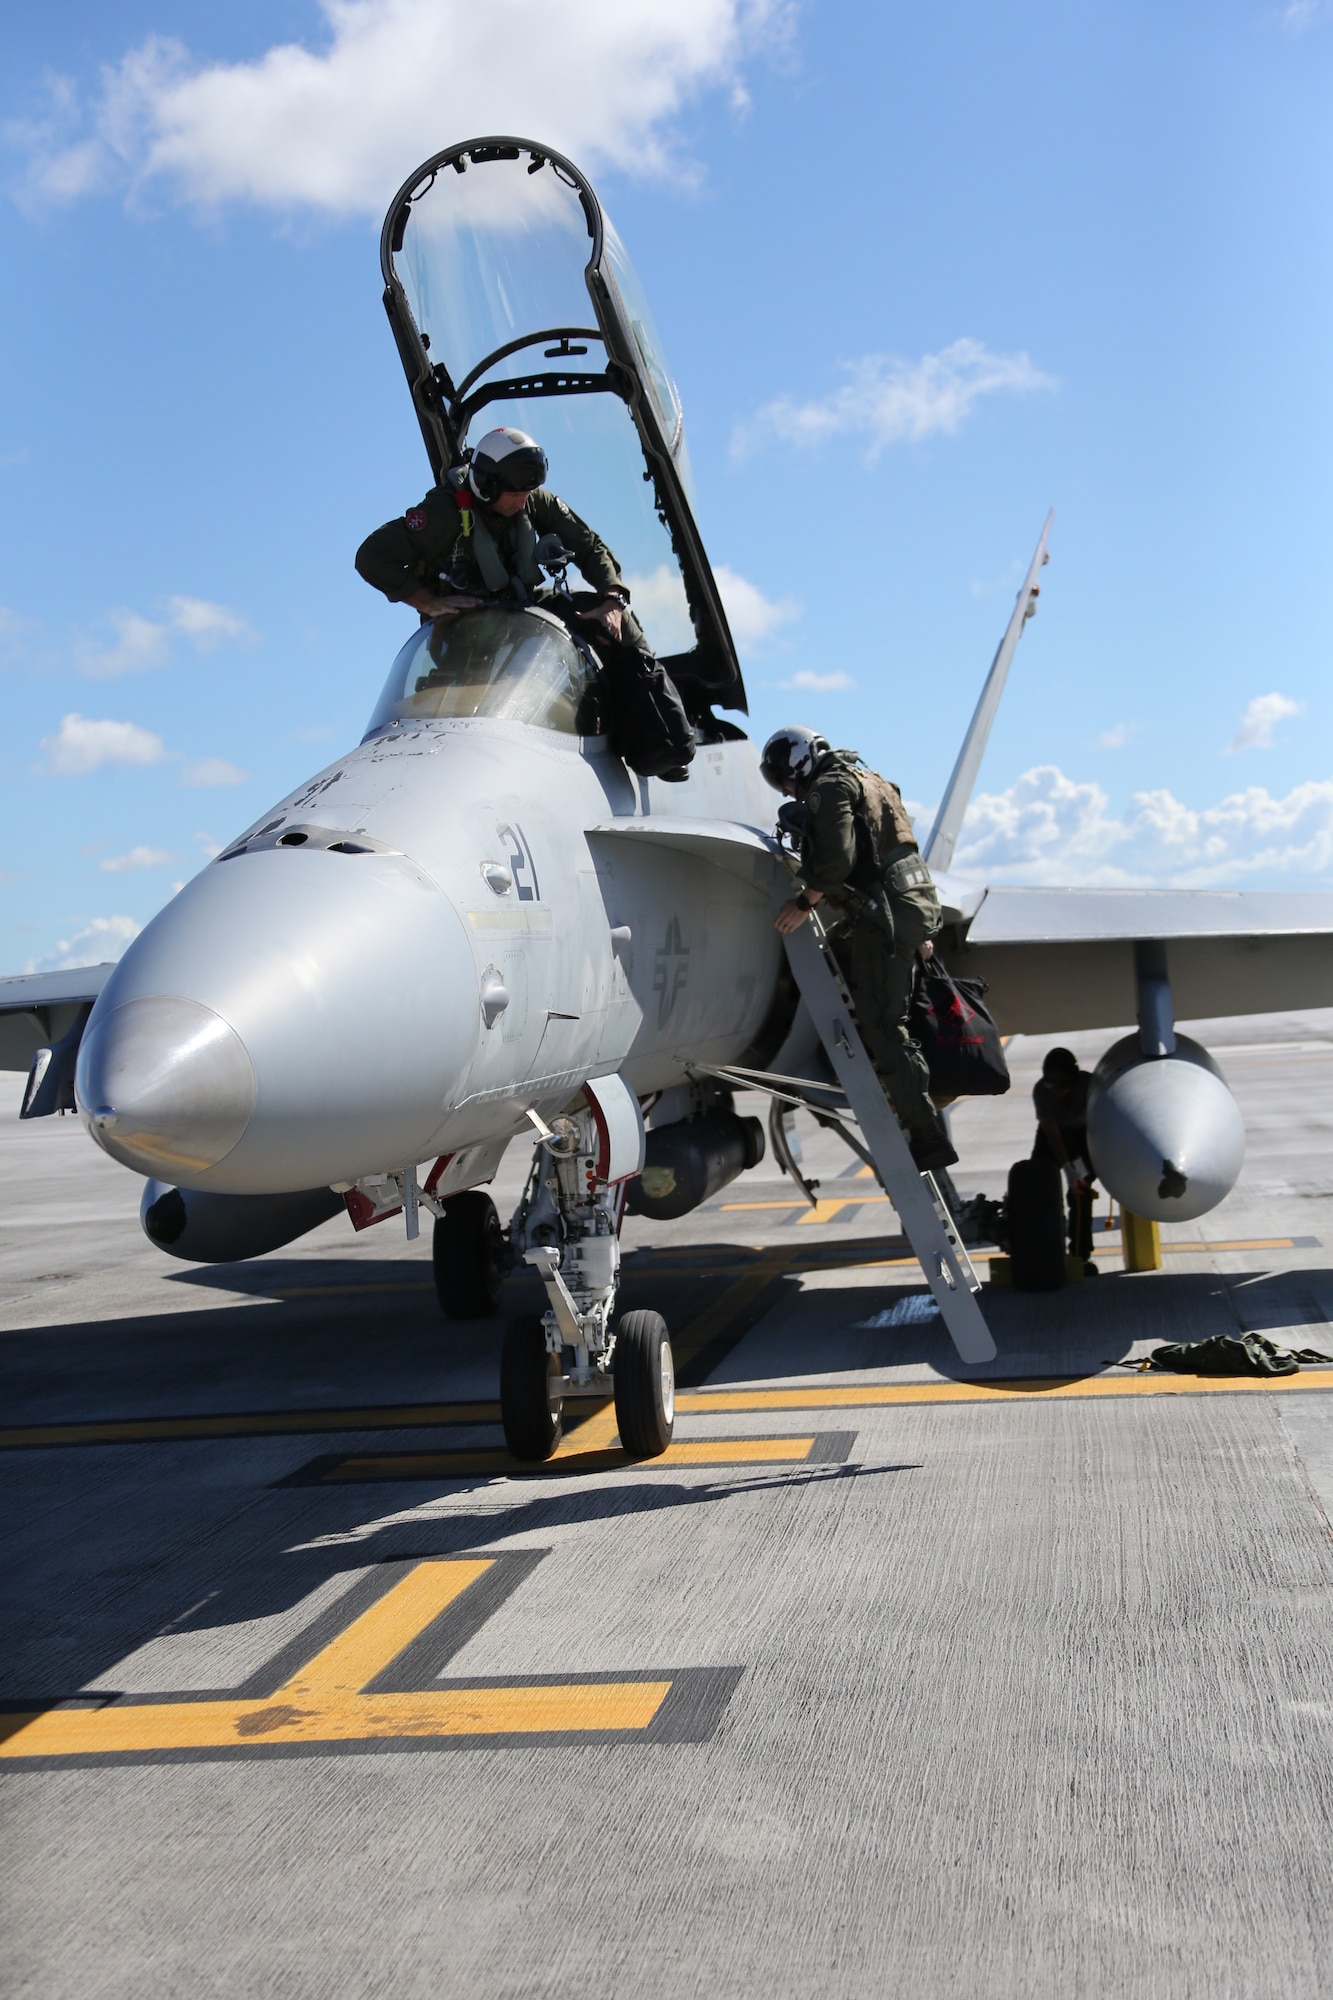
[(859, 859), (1060, 1100)]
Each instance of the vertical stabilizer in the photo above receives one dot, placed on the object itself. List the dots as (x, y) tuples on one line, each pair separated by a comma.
[(949, 818)]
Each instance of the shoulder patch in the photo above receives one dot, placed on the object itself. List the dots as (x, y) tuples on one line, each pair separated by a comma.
[(812, 801), (416, 519)]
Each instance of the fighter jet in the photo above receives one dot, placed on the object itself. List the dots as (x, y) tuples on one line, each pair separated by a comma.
[(478, 925)]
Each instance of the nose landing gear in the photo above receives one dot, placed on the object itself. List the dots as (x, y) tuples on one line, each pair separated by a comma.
[(568, 1228)]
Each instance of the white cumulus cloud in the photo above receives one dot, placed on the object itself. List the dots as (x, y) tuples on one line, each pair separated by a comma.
[(886, 399), (751, 616), (836, 682), (102, 939), (141, 643), (661, 608), (82, 744), (337, 125), (212, 771), (1118, 735), (138, 857), (1048, 828), (1260, 720)]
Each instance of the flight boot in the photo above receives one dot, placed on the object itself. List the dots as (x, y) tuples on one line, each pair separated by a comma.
[(931, 1147)]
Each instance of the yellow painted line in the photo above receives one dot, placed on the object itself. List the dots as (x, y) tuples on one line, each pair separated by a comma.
[(729, 1305), (268, 1423), (349, 1662), (755, 1276), (825, 1209), (831, 1202), (563, 1463), (322, 1702), (220, 1725), (595, 1433), (1035, 1389), (738, 1451)]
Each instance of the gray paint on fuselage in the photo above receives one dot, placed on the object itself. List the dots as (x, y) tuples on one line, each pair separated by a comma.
[(354, 979)]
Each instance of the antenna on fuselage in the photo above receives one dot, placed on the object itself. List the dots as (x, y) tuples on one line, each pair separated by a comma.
[(949, 818)]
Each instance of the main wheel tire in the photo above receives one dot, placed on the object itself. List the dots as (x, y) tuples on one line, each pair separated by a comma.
[(468, 1253), (1035, 1212), (645, 1379), (532, 1422)]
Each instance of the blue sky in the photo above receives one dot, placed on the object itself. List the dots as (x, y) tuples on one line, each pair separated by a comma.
[(921, 273)]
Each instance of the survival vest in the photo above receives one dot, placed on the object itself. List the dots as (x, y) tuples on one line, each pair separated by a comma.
[(491, 566), (883, 830)]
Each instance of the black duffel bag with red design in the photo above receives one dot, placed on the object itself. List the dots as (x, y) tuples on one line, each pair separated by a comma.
[(958, 1038)]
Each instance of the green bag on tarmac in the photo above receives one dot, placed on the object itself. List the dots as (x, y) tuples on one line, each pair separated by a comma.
[(1233, 1354)]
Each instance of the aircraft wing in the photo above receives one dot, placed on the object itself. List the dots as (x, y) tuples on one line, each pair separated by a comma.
[(37, 1009), (1058, 960)]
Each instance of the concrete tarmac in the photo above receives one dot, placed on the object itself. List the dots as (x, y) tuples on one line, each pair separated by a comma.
[(892, 1677)]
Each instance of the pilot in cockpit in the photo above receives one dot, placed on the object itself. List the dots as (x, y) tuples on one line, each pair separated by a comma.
[(475, 537), (482, 536)]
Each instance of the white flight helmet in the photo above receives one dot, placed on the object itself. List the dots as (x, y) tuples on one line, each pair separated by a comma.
[(790, 755), (506, 461)]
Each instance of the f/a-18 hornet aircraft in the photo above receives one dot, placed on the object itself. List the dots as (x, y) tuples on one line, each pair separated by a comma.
[(479, 924)]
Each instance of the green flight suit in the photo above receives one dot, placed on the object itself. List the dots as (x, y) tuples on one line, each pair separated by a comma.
[(875, 932), (430, 548)]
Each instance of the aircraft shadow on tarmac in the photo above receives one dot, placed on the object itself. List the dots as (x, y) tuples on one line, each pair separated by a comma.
[(1076, 1331), (339, 1331), (164, 1532), (216, 1578)]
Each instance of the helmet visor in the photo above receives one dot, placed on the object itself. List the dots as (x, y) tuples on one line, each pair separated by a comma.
[(520, 472)]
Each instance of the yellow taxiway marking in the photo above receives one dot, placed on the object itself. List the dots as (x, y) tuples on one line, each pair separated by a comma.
[(754, 1277), (379, 1635), (270, 1423), (324, 1702), (596, 1433), (566, 1461), (1034, 1389), (829, 1206), (671, 1268), (830, 1202), (728, 1305)]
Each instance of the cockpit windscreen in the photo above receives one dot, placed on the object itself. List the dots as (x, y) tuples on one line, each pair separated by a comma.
[(514, 666)]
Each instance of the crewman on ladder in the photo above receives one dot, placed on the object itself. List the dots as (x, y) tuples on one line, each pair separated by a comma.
[(859, 858)]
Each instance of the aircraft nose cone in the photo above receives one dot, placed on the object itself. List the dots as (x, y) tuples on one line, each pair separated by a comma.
[(164, 1085)]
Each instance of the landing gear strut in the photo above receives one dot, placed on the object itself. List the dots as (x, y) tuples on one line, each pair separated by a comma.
[(567, 1226)]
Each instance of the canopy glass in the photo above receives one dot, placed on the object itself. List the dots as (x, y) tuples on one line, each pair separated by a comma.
[(515, 666), (514, 302)]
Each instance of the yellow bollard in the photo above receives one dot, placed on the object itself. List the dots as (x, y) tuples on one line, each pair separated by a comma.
[(1140, 1242)]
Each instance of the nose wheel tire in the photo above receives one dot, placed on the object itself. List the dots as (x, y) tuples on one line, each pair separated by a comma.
[(645, 1382), (531, 1419), (468, 1253)]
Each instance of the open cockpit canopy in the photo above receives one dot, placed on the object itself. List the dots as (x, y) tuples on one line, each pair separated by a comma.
[(512, 301)]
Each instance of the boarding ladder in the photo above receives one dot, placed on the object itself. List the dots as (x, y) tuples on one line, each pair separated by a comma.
[(927, 1223)]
